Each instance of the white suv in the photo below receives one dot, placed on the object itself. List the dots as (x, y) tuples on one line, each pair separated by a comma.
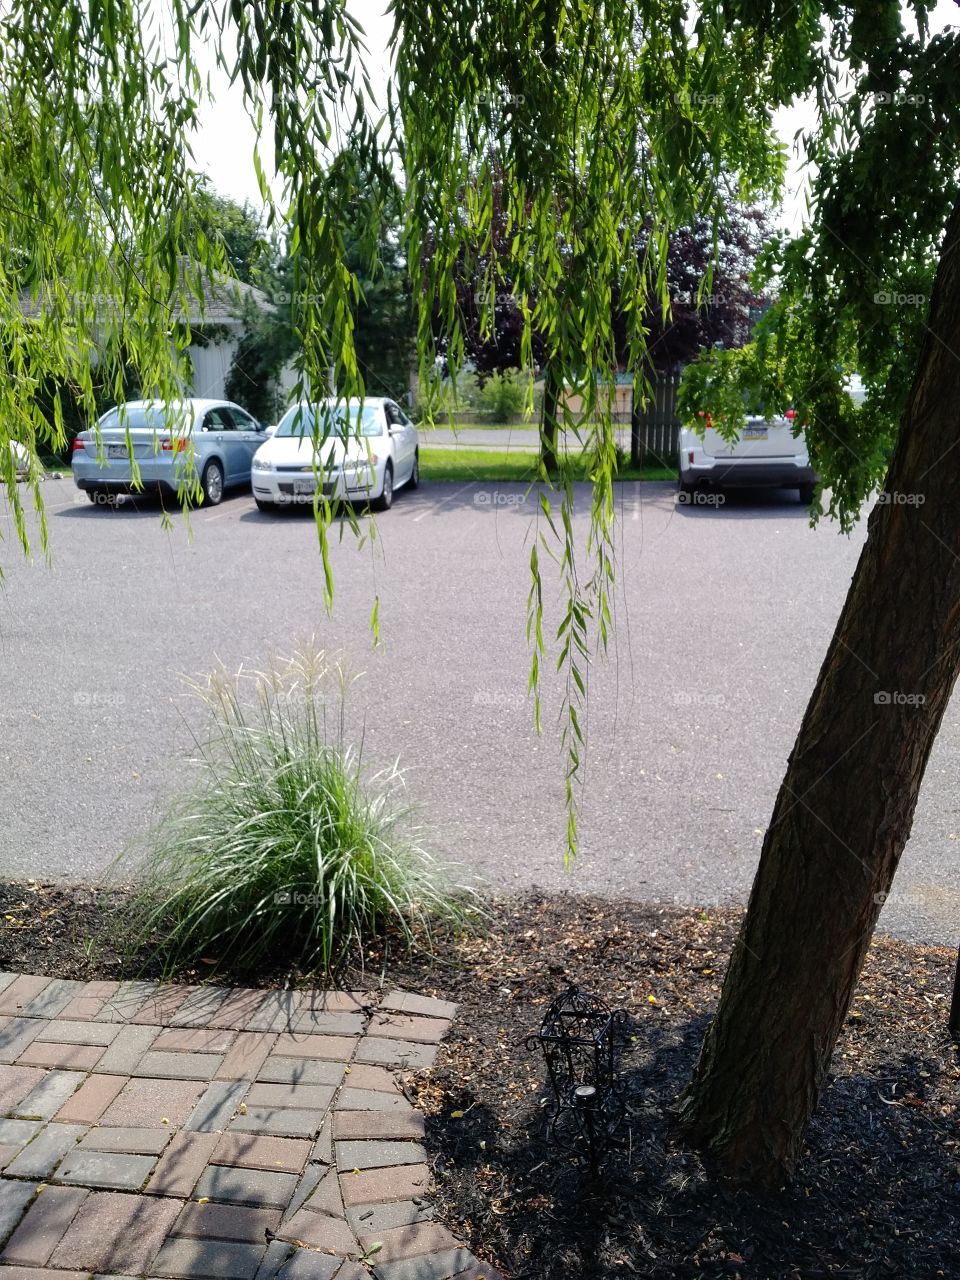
[(766, 455)]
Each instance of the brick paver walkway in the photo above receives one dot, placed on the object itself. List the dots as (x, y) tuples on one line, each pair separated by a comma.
[(173, 1131)]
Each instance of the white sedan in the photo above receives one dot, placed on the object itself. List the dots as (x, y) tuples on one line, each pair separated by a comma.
[(351, 450)]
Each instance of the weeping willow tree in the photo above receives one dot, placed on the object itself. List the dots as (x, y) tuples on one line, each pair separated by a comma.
[(592, 120)]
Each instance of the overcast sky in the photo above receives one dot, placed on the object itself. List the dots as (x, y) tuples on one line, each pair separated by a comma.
[(224, 148)]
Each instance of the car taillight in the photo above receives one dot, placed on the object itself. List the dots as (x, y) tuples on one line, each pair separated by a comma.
[(78, 444), (173, 446), (690, 456)]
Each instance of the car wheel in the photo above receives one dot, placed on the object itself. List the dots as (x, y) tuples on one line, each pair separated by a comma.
[(414, 481), (266, 507), (806, 494), (685, 490), (385, 500), (212, 484)]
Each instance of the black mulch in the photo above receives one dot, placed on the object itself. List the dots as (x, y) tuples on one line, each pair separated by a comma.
[(877, 1193)]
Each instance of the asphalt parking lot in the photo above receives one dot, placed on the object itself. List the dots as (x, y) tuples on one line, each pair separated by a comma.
[(723, 617)]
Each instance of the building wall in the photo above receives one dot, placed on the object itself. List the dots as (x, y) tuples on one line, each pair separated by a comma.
[(211, 365), (622, 400)]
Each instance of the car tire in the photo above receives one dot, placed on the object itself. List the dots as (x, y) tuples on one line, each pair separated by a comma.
[(806, 494), (414, 481), (211, 482), (268, 508), (685, 490), (385, 501)]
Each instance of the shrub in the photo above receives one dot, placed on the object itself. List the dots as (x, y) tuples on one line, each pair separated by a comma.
[(591, 459), (436, 402), (504, 395), (495, 397), (285, 847)]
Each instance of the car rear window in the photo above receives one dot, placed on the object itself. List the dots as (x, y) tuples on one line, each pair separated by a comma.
[(147, 417)]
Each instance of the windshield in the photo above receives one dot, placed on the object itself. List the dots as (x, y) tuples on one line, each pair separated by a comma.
[(149, 417), (304, 419)]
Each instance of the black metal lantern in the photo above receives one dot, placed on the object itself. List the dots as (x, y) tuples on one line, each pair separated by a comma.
[(580, 1037)]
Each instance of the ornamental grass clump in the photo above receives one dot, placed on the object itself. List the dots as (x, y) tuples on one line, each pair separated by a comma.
[(286, 850)]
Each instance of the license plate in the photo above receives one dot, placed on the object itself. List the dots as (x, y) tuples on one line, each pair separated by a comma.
[(304, 486), (116, 450), (755, 433)]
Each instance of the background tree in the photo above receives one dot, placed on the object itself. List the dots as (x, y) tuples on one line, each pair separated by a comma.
[(381, 312), (266, 345), (236, 229), (713, 298), (708, 280), (383, 315)]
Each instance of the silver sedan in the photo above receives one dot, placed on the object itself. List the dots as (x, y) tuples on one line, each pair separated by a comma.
[(210, 440)]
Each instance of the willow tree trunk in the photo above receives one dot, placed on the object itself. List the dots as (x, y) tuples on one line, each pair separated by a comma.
[(845, 807)]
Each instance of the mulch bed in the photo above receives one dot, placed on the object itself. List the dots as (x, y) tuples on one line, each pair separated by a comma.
[(66, 931), (877, 1193), (878, 1190)]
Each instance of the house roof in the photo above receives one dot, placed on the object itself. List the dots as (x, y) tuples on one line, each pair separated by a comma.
[(223, 302)]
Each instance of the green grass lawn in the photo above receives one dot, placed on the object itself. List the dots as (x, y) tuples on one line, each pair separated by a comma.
[(492, 464)]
